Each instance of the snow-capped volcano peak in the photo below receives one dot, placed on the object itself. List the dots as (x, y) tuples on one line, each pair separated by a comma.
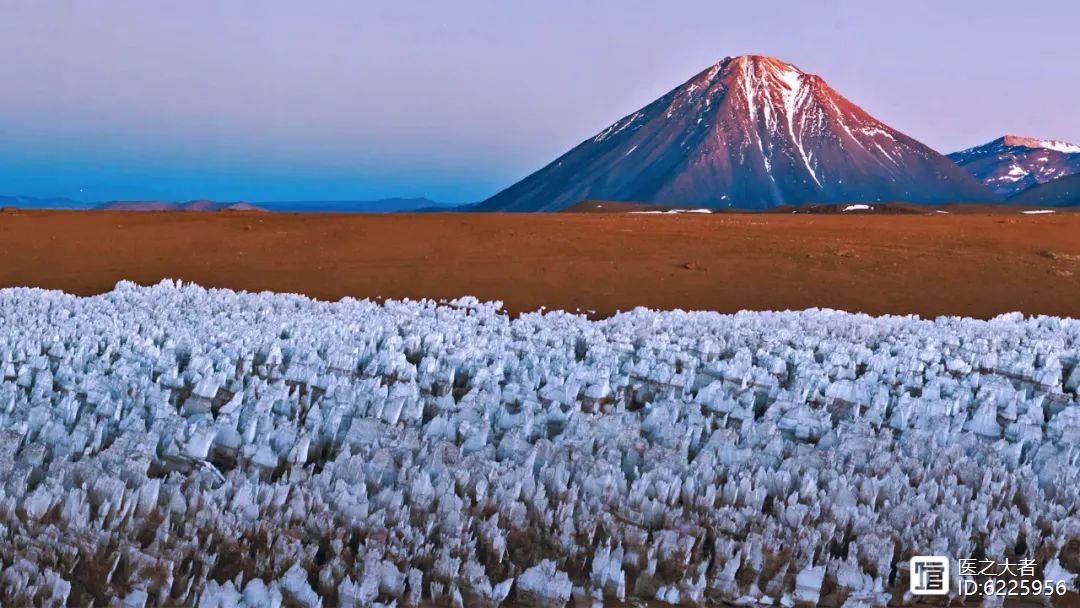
[(774, 91), (762, 79), (751, 132), (763, 66)]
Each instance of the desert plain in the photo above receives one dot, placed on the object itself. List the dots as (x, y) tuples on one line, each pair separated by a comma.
[(972, 264)]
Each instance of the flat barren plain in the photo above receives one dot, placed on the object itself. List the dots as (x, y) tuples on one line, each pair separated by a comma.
[(941, 264)]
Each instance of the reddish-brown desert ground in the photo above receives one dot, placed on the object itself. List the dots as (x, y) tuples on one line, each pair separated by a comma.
[(971, 264)]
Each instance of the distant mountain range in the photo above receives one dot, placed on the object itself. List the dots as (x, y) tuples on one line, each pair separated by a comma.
[(199, 205), (751, 132), (386, 205), (1011, 164)]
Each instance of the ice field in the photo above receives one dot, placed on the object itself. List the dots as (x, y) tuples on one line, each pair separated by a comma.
[(172, 445)]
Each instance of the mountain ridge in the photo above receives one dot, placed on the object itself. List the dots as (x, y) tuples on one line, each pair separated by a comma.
[(1060, 192)]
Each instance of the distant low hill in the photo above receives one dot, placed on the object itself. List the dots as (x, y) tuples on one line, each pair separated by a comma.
[(1061, 192), (199, 205), (33, 202), (385, 205)]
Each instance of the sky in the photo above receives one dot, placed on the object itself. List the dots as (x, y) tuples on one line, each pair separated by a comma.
[(362, 99)]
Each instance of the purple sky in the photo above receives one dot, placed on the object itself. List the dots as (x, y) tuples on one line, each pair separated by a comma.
[(358, 99)]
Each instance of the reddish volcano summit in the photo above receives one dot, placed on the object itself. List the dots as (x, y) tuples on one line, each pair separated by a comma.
[(748, 132)]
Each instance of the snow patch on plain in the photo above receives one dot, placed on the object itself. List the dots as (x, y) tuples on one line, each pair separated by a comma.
[(671, 211)]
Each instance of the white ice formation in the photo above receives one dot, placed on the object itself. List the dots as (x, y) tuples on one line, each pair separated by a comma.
[(171, 445)]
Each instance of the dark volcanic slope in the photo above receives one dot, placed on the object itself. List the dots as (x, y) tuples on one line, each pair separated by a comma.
[(1061, 192), (1009, 165), (750, 132)]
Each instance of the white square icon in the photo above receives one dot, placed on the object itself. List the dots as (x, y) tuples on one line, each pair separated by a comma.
[(929, 575)]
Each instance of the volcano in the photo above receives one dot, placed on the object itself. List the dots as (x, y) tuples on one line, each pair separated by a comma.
[(750, 132), (1012, 164)]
